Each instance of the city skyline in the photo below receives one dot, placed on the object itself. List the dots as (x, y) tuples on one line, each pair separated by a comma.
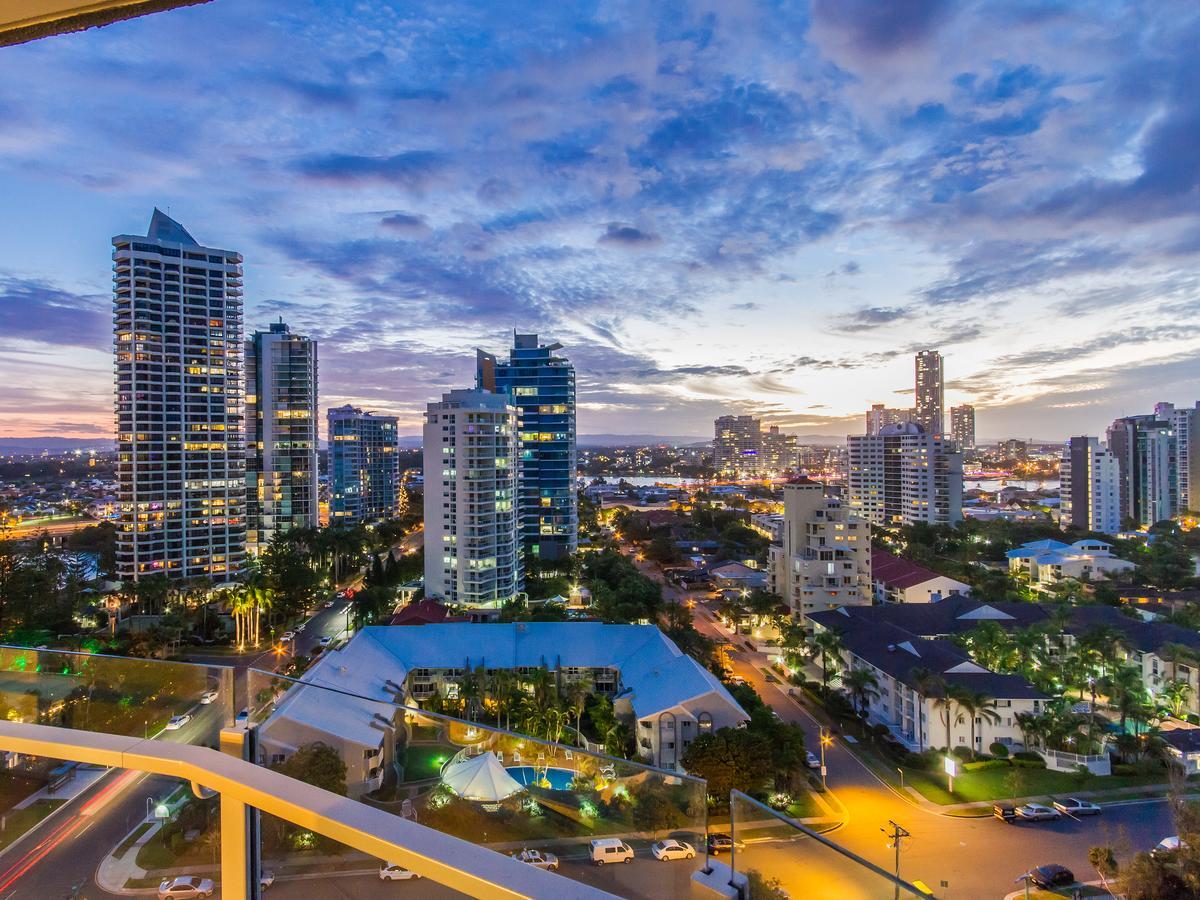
[(657, 195)]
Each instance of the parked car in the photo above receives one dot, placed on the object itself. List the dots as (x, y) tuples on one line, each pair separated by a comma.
[(1005, 812), (393, 872), (185, 886), (265, 880), (242, 718), (610, 850), (538, 859), (209, 696), (1167, 845), (341, 595), (812, 760), (177, 722), (1052, 876), (328, 604), (325, 641), (719, 842), (1037, 812), (287, 636), (672, 849), (1073, 806)]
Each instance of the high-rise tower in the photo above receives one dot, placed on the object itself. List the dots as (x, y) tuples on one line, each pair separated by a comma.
[(930, 393), (541, 385), (177, 311), (281, 434), (364, 470)]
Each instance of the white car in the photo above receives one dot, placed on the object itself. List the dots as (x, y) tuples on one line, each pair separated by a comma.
[(672, 849), (265, 880), (242, 718), (538, 859), (1072, 806), (393, 872), (325, 641), (177, 722), (811, 760), (186, 886), (1037, 812), (328, 604), (287, 636), (1167, 845), (209, 696)]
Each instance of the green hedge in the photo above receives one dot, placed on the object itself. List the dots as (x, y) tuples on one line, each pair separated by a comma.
[(999, 750), (1124, 769), (1029, 763), (1028, 755)]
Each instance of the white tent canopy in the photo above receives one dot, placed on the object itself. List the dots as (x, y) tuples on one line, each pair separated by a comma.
[(481, 778)]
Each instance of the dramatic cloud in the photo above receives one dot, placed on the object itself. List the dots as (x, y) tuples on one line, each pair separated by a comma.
[(757, 207)]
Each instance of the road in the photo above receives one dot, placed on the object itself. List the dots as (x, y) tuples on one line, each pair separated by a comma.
[(65, 850), (976, 858)]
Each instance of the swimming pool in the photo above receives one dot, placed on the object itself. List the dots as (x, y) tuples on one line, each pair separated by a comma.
[(560, 779)]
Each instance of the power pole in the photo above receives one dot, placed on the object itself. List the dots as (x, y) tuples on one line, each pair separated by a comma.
[(896, 834)]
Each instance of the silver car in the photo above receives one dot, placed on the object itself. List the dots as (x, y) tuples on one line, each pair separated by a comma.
[(1073, 806), (1037, 812), (185, 886)]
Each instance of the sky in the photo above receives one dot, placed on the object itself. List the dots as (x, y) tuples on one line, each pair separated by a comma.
[(715, 207)]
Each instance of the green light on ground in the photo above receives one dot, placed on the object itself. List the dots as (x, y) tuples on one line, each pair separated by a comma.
[(439, 762)]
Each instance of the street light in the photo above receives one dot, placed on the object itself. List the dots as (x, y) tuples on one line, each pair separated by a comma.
[(826, 740)]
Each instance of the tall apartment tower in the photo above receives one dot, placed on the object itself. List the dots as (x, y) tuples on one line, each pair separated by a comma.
[(1146, 452), (902, 476), (541, 385), (879, 415), (737, 445), (780, 452), (930, 393), (281, 434), (177, 312), (364, 470), (823, 559), (1186, 425), (962, 426), (1089, 486), (472, 473)]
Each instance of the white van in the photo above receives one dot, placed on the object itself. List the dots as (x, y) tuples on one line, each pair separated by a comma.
[(611, 850)]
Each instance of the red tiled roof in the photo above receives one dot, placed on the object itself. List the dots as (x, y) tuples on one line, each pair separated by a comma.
[(423, 612), (897, 572)]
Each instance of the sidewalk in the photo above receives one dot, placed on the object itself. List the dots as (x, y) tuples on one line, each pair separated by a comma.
[(116, 872), (84, 778)]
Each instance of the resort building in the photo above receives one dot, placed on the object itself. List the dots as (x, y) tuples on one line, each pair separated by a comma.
[(737, 445), (181, 451), (1045, 563), (823, 556), (879, 416), (472, 476), (930, 393), (281, 434), (668, 697), (898, 580), (914, 716), (962, 426)]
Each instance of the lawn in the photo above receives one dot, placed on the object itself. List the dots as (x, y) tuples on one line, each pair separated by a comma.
[(994, 784), (19, 821), (424, 761)]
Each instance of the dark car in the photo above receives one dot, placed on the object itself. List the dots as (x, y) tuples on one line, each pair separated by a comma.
[(1005, 812), (718, 842), (1052, 876)]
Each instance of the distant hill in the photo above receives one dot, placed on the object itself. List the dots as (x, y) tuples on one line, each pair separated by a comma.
[(53, 444)]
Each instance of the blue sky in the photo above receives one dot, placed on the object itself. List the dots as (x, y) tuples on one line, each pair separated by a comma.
[(760, 207)]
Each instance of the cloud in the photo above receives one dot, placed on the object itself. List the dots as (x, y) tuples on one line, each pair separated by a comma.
[(406, 224), (412, 169), (627, 236), (33, 310), (870, 28)]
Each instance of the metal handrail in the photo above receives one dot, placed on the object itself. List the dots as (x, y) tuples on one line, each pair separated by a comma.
[(448, 860)]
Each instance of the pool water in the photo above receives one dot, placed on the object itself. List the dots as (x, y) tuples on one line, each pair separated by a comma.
[(560, 779)]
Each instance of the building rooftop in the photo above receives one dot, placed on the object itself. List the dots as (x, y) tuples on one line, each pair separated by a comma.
[(897, 572)]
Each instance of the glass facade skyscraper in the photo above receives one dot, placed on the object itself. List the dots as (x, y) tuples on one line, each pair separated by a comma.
[(364, 470), (541, 385)]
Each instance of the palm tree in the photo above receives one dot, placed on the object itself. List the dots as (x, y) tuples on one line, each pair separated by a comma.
[(946, 702), (863, 686), (977, 705), (828, 645), (541, 683), (503, 689), (1125, 693), (992, 647), (926, 684), (1175, 693), (577, 691)]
